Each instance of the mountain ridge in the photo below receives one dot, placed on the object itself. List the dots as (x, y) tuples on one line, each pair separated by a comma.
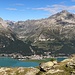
[(10, 43), (34, 25), (54, 35)]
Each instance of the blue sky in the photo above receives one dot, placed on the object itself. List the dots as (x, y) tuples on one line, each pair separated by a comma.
[(17, 10)]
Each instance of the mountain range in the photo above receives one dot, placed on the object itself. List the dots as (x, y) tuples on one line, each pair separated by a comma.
[(53, 36)]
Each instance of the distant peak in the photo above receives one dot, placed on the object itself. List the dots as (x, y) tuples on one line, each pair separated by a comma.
[(64, 11), (64, 14), (3, 23), (1, 19)]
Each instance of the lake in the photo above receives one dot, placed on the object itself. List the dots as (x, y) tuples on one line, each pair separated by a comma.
[(9, 62)]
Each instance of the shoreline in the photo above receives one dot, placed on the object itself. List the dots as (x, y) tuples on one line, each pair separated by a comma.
[(36, 60)]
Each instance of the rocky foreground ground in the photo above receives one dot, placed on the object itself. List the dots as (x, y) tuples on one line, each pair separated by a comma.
[(66, 67)]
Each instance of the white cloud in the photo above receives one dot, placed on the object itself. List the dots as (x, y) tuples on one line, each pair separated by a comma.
[(12, 9), (49, 9), (19, 4), (55, 8), (73, 0)]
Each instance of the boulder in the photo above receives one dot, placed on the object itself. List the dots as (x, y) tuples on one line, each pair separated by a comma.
[(54, 71), (55, 62), (73, 73), (70, 64), (46, 66)]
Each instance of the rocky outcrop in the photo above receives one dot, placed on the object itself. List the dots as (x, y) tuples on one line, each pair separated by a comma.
[(71, 62), (47, 65), (18, 71), (66, 67), (53, 71), (73, 73), (33, 71)]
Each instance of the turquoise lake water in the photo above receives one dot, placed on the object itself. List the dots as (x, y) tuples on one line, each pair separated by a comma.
[(9, 62)]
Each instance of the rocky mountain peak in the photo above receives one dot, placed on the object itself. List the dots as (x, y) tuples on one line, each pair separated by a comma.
[(63, 15), (64, 11)]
